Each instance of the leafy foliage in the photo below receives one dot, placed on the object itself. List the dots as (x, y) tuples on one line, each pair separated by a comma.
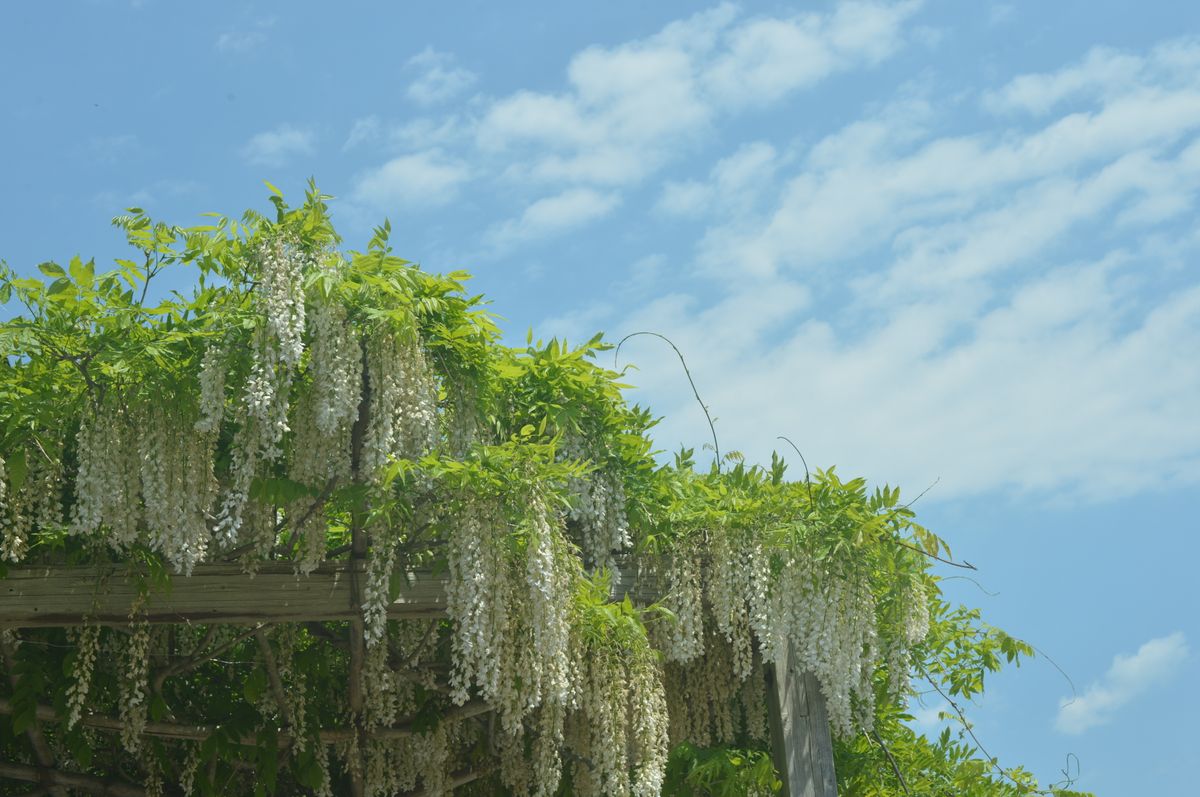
[(305, 403)]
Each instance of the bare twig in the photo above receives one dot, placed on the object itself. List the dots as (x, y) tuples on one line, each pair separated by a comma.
[(965, 565), (892, 760), (807, 479), (687, 372), (922, 493), (966, 724), (461, 778), (192, 662), (1063, 673), (982, 589), (277, 689)]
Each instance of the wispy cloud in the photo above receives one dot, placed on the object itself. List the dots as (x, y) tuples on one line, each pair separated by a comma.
[(111, 149), (891, 284), (246, 38), (438, 77), (1154, 664), (424, 179), (364, 131), (554, 215), (631, 108), (277, 147), (625, 111), (240, 41)]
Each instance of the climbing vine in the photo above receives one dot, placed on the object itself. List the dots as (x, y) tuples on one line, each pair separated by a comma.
[(249, 392)]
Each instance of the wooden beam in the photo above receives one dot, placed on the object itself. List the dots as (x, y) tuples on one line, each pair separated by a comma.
[(67, 595), (198, 733), (64, 595), (801, 745), (71, 780)]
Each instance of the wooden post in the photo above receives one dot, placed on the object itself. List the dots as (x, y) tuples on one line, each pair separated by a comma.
[(801, 745)]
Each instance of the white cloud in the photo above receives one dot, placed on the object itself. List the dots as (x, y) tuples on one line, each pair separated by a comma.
[(768, 58), (243, 40), (423, 179), (238, 41), (1154, 664), (439, 79), (1104, 69), (879, 177), (735, 183), (986, 308), (364, 131), (554, 215), (277, 147), (685, 198), (631, 108), (1103, 72)]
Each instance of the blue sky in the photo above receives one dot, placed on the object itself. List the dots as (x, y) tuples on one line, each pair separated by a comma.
[(928, 241)]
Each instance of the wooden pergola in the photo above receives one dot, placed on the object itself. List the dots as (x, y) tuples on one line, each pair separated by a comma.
[(64, 596)]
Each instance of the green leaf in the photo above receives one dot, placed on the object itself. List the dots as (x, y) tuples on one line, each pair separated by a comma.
[(83, 273), (51, 269), (255, 685), (17, 469)]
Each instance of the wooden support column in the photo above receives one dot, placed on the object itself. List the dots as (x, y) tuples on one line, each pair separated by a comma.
[(801, 745)]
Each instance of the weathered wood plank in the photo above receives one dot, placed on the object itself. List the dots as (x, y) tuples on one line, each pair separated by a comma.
[(40, 597), (801, 744), (48, 597)]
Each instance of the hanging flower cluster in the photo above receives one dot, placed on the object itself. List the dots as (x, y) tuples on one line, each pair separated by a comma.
[(706, 706), (145, 470), (37, 504), (403, 410), (511, 613), (617, 737), (319, 459), (178, 486), (212, 388), (336, 366), (276, 353), (106, 484), (134, 686), (827, 615), (597, 505), (281, 265), (912, 605), (87, 640), (12, 547)]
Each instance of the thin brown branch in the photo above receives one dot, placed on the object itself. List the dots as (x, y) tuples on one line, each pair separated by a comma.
[(180, 667), (807, 477), (891, 760), (277, 690), (41, 750), (688, 373), (965, 565), (71, 780), (460, 778), (966, 724), (297, 525)]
